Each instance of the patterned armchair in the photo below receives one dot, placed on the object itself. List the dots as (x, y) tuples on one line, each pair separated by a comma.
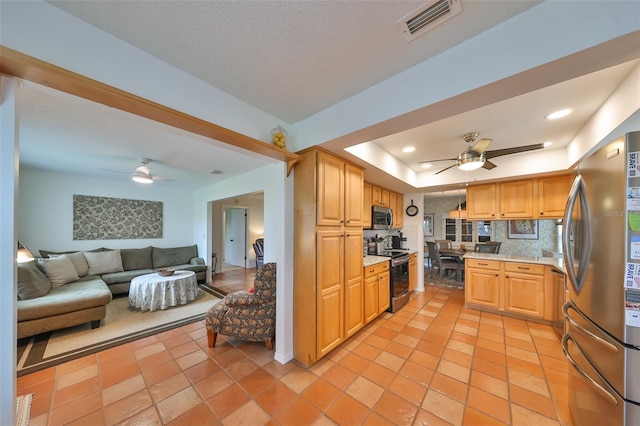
[(248, 316)]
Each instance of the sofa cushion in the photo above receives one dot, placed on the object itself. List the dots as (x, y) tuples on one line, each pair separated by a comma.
[(124, 276), (78, 260), (48, 253), (85, 293), (103, 262), (59, 270), (173, 256), (32, 282), (136, 258)]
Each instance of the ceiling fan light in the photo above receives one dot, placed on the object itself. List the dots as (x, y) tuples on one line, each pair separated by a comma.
[(142, 178), (468, 161)]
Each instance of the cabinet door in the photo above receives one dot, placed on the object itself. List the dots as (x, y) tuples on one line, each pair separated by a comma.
[(398, 212), (384, 291), (353, 195), (376, 195), (384, 197), (524, 294), (393, 201), (330, 190), (330, 290), (481, 202), (413, 271), (516, 199), (552, 196), (370, 298), (482, 287), (366, 206), (354, 291)]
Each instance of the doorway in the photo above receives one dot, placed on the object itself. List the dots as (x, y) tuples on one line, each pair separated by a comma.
[(235, 238)]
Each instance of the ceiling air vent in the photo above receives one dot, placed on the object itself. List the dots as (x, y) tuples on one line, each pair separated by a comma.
[(426, 17)]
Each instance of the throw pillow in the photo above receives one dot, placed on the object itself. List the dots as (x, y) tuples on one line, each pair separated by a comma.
[(59, 270), (78, 260), (32, 282), (103, 262)]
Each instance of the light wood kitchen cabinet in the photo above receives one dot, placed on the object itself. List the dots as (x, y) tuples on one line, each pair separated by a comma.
[(376, 195), (330, 279), (482, 201), (384, 197), (398, 212), (354, 287), (516, 200), (552, 196), (413, 271), (353, 195), (366, 206), (393, 202), (377, 294), (538, 198), (340, 192), (519, 289), (482, 283), (524, 289), (328, 262)]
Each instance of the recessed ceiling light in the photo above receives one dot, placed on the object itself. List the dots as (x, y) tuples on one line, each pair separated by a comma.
[(409, 149), (426, 165), (558, 114), (548, 143)]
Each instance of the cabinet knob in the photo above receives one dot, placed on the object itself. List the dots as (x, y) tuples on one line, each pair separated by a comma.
[(541, 213)]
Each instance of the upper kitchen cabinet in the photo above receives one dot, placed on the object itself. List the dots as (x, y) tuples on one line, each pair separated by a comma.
[(340, 192), (552, 196), (482, 201), (542, 198), (380, 196), (366, 206), (398, 212), (516, 199)]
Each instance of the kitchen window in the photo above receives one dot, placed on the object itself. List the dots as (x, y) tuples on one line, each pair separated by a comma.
[(467, 231)]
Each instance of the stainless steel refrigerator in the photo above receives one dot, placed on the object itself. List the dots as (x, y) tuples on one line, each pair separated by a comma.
[(601, 245)]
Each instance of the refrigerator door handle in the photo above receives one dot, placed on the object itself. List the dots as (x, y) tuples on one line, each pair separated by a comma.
[(577, 193), (607, 345), (601, 390)]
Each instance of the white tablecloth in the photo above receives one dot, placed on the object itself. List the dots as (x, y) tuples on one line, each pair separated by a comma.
[(152, 291)]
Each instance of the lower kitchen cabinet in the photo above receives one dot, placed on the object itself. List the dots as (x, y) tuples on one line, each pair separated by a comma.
[(413, 271), (519, 289), (482, 283), (377, 290), (524, 289)]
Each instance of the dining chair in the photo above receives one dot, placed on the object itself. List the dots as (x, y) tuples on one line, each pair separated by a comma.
[(441, 264), (488, 247)]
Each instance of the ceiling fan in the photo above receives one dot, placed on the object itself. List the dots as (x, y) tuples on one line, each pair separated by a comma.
[(143, 174), (476, 155)]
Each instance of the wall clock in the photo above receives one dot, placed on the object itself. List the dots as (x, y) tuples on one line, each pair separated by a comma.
[(412, 210)]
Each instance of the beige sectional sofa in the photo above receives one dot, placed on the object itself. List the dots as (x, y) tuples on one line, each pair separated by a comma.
[(63, 289)]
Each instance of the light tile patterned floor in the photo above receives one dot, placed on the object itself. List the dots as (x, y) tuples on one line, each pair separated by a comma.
[(433, 362)]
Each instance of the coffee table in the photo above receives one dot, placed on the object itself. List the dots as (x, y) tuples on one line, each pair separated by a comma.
[(152, 291)]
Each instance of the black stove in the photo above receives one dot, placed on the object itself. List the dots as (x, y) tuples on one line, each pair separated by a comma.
[(393, 253)]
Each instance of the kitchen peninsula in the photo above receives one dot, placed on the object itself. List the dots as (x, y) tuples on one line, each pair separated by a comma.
[(526, 287)]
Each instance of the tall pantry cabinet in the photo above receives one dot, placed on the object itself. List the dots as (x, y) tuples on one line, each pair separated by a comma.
[(328, 284)]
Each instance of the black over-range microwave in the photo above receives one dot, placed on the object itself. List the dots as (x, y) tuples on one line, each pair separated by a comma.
[(381, 217)]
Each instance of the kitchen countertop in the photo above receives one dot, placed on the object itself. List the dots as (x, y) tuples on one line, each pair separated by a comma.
[(372, 259), (552, 261)]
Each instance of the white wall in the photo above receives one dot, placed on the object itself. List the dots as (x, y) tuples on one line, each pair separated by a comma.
[(45, 211), (278, 219)]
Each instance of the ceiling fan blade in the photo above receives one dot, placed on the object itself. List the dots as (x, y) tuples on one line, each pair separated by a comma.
[(160, 179), (481, 146), (488, 165), (514, 150), (444, 170), (433, 161)]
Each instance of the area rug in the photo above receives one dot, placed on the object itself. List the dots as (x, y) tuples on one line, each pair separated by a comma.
[(122, 324), (23, 409)]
